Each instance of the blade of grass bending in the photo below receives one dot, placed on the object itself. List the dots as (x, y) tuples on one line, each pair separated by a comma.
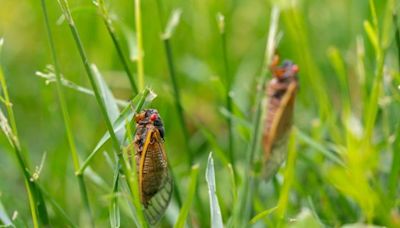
[(119, 124), (50, 77), (216, 218), (183, 214), (173, 22), (228, 85), (240, 213), (262, 214), (66, 118), (107, 97), (12, 136), (67, 14), (111, 31)]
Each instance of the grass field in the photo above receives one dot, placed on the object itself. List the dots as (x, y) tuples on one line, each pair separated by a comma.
[(73, 72)]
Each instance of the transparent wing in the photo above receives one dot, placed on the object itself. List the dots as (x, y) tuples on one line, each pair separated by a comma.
[(156, 183), (158, 204)]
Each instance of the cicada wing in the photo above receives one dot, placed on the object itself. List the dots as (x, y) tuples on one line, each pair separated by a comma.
[(156, 183), (158, 204), (276, 145)]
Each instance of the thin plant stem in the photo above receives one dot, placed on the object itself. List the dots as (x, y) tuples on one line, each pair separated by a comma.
[(242, 212), (18, 152), (66, 117), (139, 39), (111, 31), (177, 97), (132, 179), (160, 13), (395, 169), (397, 36), (228, 87), (67, 13)]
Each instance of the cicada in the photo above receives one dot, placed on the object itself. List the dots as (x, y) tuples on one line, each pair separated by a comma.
[(155, 179), (281, 92)]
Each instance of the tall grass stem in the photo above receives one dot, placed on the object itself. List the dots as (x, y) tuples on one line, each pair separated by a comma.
[(66, 117), (139, 39), (111, 31)]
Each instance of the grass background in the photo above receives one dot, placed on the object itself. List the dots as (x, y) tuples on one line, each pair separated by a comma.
[(347, 106)]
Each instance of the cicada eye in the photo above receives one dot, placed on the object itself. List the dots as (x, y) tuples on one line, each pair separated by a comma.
[(295, 69), (153, 117)]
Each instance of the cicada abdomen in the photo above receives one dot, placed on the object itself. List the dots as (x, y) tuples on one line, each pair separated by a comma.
[(281, 93), (155, 181)]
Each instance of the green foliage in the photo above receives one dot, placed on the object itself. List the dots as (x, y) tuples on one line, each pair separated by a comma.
[(208, 65)]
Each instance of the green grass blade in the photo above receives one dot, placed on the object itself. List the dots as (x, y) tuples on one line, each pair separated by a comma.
[(111, 31), (262, 214), (115, 218), (106, 95), (119, 124), (183, 214), (216, 217), (4, 218), (139, 38), (50, 77), (66, 117), (173, 22), (319, 147), (228, 86), (240, 215), (67, 14)]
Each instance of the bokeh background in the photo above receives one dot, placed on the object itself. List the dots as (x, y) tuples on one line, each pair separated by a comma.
[(313, 32)]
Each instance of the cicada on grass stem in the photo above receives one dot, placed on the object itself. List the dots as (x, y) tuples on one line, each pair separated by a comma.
[(281, 92), (155, 180)]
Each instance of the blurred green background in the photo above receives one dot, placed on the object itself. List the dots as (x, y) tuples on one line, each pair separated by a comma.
[(313, 33)]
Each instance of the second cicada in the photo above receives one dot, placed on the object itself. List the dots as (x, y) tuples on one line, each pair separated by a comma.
[(281, 93), (155, 181)]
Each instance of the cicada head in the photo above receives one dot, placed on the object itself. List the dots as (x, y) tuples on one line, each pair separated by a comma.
[(150, 116), (287, 71)]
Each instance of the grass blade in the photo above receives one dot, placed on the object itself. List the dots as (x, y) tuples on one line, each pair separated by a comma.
[(241, 213), (36, 203), (4, 218), (139, 38), (183, 214), (228, 86), (173, 22), (111, 31), (114, 205), (262, 215), (216, 218), (119, 125)]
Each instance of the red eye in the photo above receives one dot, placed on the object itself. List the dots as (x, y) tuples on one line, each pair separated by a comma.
[(153, 117), (295, 68)]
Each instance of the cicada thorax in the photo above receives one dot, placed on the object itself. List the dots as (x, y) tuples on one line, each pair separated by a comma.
[(155, 182), (281, 92)]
